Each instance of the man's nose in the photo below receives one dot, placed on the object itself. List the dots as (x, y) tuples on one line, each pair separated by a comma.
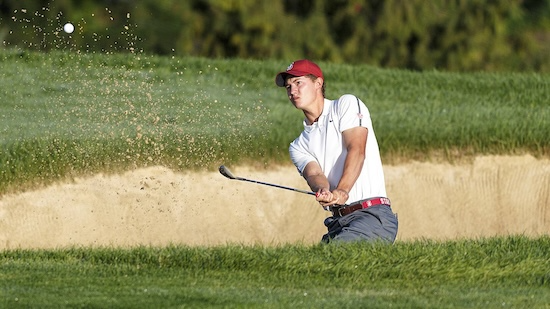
[(292, 90)]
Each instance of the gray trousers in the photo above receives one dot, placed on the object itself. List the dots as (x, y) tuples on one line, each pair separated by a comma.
[(376, 223)]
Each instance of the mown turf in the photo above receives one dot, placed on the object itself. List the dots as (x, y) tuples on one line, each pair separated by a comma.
[(67, 113), (493, 273)]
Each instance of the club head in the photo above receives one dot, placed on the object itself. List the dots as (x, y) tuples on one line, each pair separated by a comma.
[(225, 171)]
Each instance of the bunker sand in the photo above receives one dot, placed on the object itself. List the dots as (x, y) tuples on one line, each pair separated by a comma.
[(492, 196)]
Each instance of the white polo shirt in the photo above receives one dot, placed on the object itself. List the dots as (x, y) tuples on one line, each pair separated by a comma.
[(322, 142)]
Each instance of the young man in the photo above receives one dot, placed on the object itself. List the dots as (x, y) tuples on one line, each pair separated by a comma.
[(338, 155)]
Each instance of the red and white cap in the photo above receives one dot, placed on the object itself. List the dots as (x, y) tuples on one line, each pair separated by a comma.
[(298, 68)]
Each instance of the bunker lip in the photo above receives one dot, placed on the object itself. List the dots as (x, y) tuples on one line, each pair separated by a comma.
[(157, 206)]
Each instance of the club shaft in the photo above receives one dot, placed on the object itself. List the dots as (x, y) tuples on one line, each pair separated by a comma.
[(276, 186)]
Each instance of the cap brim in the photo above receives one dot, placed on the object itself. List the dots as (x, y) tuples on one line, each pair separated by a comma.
[(280, 79)]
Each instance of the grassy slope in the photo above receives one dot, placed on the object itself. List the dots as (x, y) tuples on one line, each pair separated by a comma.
[(62, 114), (66, 113), (490, 273)]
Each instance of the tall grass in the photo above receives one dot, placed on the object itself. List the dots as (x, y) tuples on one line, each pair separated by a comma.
[(68, 113), (511, 272)]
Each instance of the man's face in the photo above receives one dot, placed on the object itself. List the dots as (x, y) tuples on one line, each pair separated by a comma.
[(302, 90)]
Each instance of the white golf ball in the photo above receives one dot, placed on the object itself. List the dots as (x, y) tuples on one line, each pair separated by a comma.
[(69, 28)]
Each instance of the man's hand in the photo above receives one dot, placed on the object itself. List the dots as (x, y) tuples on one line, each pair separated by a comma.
[(327, 198), (341, 196)]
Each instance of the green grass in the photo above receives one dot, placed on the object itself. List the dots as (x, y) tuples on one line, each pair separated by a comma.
[(64, 114), (68, 113), (511, 272)]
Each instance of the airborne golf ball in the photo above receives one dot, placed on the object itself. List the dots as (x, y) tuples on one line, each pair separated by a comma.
[(69, 28)]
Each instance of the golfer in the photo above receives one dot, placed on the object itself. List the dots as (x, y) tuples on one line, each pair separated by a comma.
[(337, 154)]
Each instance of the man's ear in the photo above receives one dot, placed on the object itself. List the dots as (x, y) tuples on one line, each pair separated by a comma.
[(319, 82)]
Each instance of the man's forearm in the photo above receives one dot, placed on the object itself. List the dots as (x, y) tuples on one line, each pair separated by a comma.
[(352, 169), (318, 182)]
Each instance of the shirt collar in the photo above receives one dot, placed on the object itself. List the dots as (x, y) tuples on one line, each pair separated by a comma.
[(322, 118)]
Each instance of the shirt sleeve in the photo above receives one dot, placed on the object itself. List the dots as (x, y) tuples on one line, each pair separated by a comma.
[(352, 113), (299, 155)]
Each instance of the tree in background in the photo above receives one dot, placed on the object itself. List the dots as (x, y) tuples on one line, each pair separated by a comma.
[(458, 35)]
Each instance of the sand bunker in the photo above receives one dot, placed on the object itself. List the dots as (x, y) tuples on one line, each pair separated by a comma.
[(491, 196)]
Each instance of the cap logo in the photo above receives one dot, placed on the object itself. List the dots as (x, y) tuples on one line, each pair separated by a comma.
[(290, 67)]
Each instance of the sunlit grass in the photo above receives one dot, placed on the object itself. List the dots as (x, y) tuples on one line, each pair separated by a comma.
[(69, 113), (488, 273)]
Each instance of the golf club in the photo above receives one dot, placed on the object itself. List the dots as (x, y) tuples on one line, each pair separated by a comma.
[(225, 171)]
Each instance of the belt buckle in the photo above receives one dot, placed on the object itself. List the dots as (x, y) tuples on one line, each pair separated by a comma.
[(337, 211)]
